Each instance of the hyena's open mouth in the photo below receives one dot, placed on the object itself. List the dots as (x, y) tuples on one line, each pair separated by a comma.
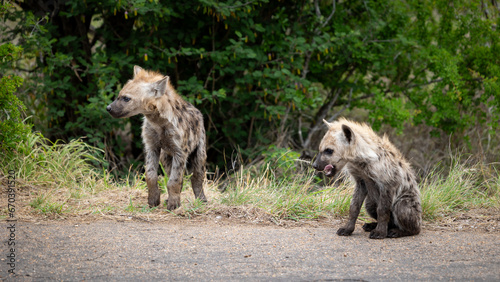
[(329, 170)]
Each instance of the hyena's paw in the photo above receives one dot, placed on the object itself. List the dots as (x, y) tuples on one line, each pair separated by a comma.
[(377, 234), (173, 203), (153, 202), (153, 196), (203, 198), (344, 231), (367, 227), (396, 233)]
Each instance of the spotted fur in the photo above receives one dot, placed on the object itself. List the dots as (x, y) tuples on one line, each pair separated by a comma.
[(172, 132), (384, 180)]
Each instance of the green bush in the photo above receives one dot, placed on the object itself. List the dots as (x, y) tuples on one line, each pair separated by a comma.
[(260, 70), (282, 161), (12, 128)]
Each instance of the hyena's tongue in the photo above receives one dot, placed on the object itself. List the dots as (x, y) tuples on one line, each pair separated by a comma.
[(328, 169)]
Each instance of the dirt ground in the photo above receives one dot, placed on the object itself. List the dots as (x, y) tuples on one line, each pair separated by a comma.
[(219, 247)]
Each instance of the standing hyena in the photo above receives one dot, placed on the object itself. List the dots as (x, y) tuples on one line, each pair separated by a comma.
[(172, 132), (382, 176)]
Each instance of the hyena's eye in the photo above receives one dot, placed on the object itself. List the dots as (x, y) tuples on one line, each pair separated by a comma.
[(328, 151), (126, 99)]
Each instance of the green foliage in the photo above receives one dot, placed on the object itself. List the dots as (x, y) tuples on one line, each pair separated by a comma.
[(282, 161), (12, 128), (261, 69), (458, 62)]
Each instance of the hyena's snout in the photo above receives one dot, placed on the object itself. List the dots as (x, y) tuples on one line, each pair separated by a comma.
[(328, 169), (318, 163), (114, 111), (110, 110), (316, 166)]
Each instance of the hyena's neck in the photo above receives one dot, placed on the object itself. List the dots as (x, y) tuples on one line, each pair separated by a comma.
[(166, 110), (155, 118)]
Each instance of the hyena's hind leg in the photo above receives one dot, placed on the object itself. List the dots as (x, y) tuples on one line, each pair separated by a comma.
[(166, 162), (175, 174), (407, 219), (196, 163), (174, 184), (371, 209)]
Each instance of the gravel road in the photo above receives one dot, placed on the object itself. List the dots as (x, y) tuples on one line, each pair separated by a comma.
[(206, 250)]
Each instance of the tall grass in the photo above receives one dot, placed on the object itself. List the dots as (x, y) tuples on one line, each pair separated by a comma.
[(462, 187), (291, 197), (52, 173), (59, 165), (57, 178)]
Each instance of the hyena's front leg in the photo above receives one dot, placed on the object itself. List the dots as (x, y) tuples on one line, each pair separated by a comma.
[(356, 203), (383, 215), (152, 157), (371, 209), (371, 204), (174, 184)]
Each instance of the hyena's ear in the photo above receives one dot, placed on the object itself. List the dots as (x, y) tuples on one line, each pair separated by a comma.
[(348, 134), (330, 125), (137, 70), (160, 86)]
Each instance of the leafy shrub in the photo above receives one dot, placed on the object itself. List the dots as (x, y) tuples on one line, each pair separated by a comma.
[(12, 127), (281, 161), (261, 70)]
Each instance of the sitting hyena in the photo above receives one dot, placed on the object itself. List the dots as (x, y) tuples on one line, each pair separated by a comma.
[(382, 176), (172, 132)]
